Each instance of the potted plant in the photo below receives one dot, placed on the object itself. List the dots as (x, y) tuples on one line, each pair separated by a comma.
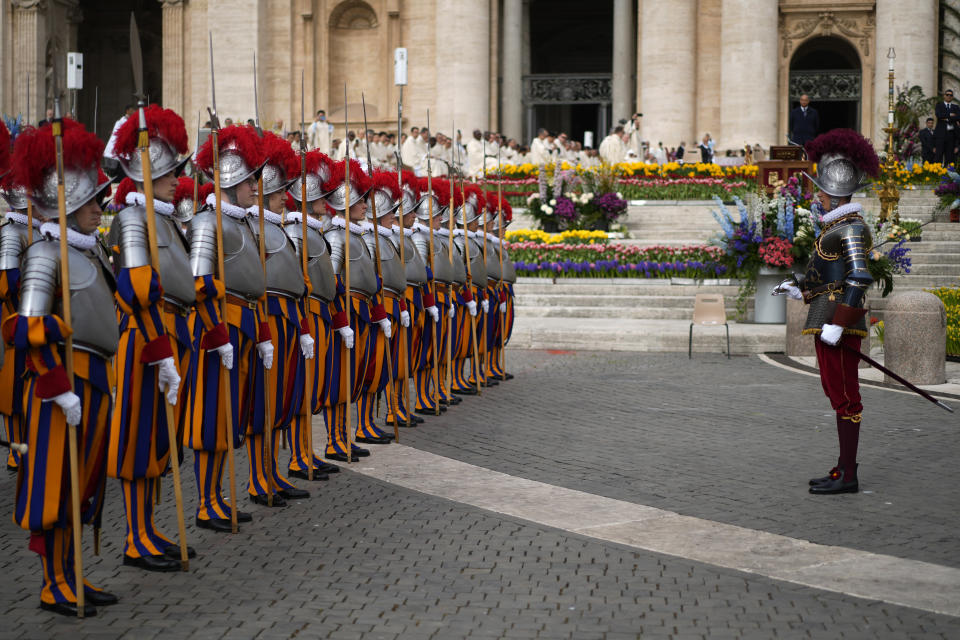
[(949, 193)]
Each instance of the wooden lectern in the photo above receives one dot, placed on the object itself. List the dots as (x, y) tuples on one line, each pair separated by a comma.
[(784, 163)]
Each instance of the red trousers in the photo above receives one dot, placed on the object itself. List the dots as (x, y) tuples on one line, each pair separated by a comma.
[(839, 375)]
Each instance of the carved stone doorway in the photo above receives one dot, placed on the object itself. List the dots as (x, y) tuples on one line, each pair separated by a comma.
[(828, 70)]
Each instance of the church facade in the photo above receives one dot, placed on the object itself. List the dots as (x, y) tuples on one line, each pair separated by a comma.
[(732, 68)]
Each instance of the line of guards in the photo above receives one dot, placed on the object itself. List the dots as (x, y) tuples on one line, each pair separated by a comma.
[(160, 335)]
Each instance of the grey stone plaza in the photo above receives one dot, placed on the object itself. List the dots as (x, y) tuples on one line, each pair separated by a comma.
[(596, 495)]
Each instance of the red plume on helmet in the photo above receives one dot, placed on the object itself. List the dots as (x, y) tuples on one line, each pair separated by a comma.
[(441, 188), (184, 190), (423, 185), (162, 123), (120, 195), (386, 180), (278, 152), (492, 206), (242, 138), (849, 143), (475, 190), (290, 203), (359, 180), (4, 148), (205, 190), (410, 180), (35, 152), (315, 159)]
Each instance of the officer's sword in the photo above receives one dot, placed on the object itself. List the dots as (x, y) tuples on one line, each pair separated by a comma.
[(225, 391), (144, 148), (72, 436), (306, 409), (909, 385)]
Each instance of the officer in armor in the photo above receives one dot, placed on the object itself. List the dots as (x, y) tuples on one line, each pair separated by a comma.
[(504, 289), (834, 285), (367, 318), (51, 400), (465, 238), (460, 297), (237, 343), (288, 327), (155, 342), (385, 197), (419, 300), (440, 273), (327, 326)]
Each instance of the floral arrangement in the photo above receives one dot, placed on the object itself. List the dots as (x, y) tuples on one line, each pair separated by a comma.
[(776, 252), (949, 190), (950, 296), (617, 260), (573, 236)]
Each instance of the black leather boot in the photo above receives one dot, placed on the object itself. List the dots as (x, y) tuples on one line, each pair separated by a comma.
[(839, 484)]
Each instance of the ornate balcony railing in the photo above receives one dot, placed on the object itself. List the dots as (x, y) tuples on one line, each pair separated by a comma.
[(564, 88)]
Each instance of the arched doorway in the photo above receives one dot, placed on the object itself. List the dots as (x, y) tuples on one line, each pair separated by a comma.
[(828, 70)]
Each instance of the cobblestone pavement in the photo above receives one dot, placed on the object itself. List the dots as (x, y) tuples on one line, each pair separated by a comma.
[(363, 559)]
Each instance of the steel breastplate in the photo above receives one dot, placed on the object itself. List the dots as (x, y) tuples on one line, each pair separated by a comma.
[(828, 263), (243, 273), (174, 258), (284, 269), (13, 240), (394, 274), (459, 270), (478, 269), (323, 283), (493, 262), (509, 272), (415, 268), (442, 269), (363, 273)]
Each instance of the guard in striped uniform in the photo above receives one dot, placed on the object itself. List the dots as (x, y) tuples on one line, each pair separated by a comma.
[(51, 400), (466, 236), (459, 299), (504, 292), (241, 341)]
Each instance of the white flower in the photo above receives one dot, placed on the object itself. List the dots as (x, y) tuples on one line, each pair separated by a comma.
[(547, 210), (532, 197), (553, 202), (619, 196), (588, 196)]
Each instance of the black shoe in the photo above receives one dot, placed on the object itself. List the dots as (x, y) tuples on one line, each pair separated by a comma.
[(98, 598), (490, 382), (430, 412), (359, 451), (834, 473), (373, 440), (69, 608), (324, 467), (318, 474), (215, 524), (152, 563), (465, 392), (293, 494), (278, 500), (837, 485), (173, 551), (341, 457), (454, 400), (388, 435)]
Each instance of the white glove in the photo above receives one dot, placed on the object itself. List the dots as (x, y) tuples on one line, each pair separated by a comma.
[(226, 355), (405, 318), (472, 307), (831, 333), (503, 307), (485, 305), (168, 378), (385, 327), (432, 310), (787, 288), (346, 333), (307, 345), (452, 311), (265, 349), (70, 403)]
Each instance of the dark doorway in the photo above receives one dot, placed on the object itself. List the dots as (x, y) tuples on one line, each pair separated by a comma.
[(104, 40), (573, 119), (828, 70)]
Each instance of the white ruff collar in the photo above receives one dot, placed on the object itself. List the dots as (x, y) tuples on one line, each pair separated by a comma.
[(458, 232), (422, 228), (268, 215), (313, 223), (358, 229), (138, 199), (443, 231), (407, 231), (842, 210), (75, 239), (386, 232), (231, 210), (22, 219)]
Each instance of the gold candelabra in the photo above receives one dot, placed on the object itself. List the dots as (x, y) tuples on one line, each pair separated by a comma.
[(889, 193)]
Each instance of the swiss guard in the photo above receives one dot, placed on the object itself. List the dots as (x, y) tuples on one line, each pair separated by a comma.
[(834, 285), (52, 400)]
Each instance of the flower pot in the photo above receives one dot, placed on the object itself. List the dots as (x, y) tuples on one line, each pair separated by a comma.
[(954, 215), (769, 309), (550, 226), (600, 225)]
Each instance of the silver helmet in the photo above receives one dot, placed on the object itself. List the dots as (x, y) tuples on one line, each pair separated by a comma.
[(15, 197), (469, 210), (185, 210), (163, 160), (336, 197), (838, 176), (315, 182), (233, 168), (408, 200), (80, 186), (275, 179), (383, 199)]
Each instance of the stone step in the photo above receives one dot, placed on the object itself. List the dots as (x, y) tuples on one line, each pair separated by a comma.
[(633, 312), (940, 236), (924, 269), (621, 287), (918, 257), (620, 334), (931, 246), (942, 226), (570, 301), (914, 281)]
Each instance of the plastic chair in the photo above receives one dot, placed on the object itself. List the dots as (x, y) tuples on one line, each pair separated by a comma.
[(708, 310)]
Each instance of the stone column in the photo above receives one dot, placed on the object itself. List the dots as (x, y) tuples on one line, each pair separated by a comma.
[(173, 26), (748, 75), (622, 61), (29, 41), (511, 91), (668, 82), (463, 66), (913, 35)]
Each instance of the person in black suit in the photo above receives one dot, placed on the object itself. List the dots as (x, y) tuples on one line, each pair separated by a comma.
[(927, 142), (804, 122), (945, 135)]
